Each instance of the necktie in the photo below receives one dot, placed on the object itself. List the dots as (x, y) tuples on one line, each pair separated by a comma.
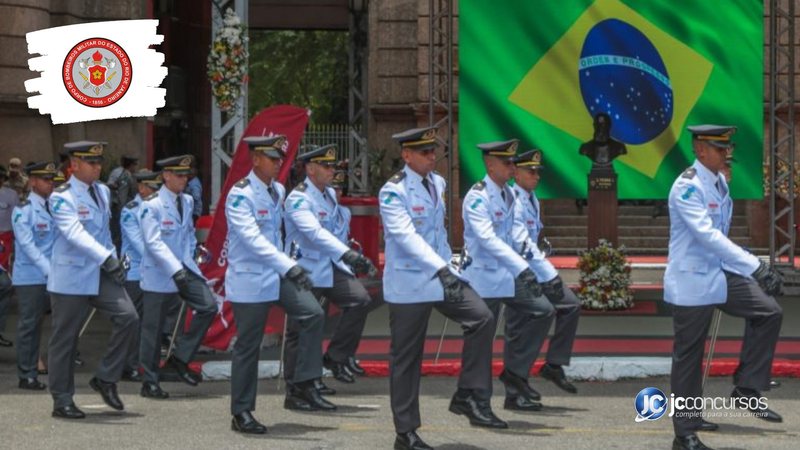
[(535, 210), (179, 204), (272, 194), (47, 206), (328, 198), (93, 194), (719, 187), (427, 185)]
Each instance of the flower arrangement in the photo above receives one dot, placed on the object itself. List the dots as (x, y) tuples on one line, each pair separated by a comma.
[(783, 187), (605, 278), (227, 62)]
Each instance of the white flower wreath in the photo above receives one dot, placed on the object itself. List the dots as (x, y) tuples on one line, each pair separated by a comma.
[(227, 62), (605, 278)]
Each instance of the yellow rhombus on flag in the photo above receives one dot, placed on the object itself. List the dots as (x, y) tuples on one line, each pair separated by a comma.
[(551, 89)]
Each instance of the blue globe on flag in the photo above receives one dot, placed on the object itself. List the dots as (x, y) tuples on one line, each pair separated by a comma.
[(622, 74)]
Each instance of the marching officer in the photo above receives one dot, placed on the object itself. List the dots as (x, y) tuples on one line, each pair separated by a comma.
[(500, 275), (341, 223), (84, 273), (6, 289), (259, 274), (9, 198), (123, 190), (527, 227), (312, 216), (169, 274), (705, 270), (148, 183), (418, 278), (34, 234)]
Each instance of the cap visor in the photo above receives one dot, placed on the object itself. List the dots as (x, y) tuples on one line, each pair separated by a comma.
[(720, 145), (185, 171), (420, 148)]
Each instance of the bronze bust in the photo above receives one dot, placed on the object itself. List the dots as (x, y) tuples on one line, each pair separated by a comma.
[(603, 148)]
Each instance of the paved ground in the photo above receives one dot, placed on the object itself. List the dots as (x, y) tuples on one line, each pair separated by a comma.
[(600, 417)]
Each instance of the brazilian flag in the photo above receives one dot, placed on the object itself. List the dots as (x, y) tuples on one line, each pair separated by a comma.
[(540, 70)]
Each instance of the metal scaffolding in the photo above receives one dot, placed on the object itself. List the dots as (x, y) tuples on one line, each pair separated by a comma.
[(226, 127), (781, 131), (440, 88), (358, 151)]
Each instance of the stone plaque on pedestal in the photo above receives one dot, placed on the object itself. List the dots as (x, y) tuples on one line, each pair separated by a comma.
[(602, 220)]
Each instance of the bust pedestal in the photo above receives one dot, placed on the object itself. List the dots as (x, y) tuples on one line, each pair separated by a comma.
[(602, 199)]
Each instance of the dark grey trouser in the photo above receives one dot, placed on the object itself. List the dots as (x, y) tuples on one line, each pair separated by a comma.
[(559, 352), (763, 317), (201, 300), (33, 302), (352, 298), (409, 324), (69, 314), (135, 294), (155, 307), (526, 333), (171, 318), (6, 289), (250, 319)]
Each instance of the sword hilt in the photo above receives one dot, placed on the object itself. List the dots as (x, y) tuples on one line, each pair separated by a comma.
[(294, 251)]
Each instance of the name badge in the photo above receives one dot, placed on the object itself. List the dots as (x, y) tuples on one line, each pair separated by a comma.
[(167, 225), (84, 212), (42, 226), (262, 214), (713, 205), (418, 210)]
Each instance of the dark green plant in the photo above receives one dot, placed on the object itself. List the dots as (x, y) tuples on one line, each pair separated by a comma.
[(302, 68)]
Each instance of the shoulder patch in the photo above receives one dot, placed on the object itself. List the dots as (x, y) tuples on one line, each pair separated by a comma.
[(688, 192), (244, 182), (301, 187), (398, 177), (64, 187), (689, 173), (479, 186), (132, 204), (151, 196)]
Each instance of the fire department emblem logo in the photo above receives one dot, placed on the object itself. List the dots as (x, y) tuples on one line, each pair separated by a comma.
[(97, 72)]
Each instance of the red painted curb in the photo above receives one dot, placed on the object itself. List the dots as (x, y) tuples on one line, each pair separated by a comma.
[(452, 367)]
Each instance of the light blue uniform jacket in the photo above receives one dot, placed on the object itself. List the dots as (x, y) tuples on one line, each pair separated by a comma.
[(34, 234), (169, 240), (416, 239), (83, 238), (700, 216), (488, 225), (527, 226), (311, 222), (255, 260), (132, 239)]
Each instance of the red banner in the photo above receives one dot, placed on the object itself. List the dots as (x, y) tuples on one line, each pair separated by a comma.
[(281, 119)]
